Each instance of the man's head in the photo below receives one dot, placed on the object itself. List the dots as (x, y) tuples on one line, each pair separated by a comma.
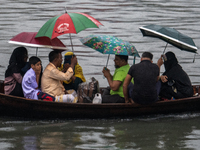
[(35, 63), (55, 57), (120, 60), (147, 56)]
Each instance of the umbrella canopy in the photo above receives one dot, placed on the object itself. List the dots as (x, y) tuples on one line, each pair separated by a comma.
[(171, 36), (67, 23), (107, 44), (28, 39)]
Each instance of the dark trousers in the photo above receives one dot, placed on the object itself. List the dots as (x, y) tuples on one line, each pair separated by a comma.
[(73, 85), (107, 98), (139, 99), (17, 90)]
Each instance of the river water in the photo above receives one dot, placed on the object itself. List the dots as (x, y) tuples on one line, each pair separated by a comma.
[(120, 18)]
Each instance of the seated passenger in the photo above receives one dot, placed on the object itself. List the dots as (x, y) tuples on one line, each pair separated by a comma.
[(77, 77), (31, 79), (175, 82), (115, 94), (14, 72), (146, 86), (52, 77)]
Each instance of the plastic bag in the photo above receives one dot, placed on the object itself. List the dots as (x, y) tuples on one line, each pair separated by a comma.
[(97, 99), (87, 90)]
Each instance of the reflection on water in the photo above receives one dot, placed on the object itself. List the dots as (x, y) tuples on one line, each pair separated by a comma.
[(122, 19), (161, 132)]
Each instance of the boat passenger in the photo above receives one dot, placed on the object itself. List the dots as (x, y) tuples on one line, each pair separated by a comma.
[(146, 86), (115, 92), (15, 72), (175, 83), (77, 77), (52, 77), (31, 79)]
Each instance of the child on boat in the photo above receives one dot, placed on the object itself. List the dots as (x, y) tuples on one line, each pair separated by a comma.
[(30, 82)]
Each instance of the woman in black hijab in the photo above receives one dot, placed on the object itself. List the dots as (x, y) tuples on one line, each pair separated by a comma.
[(15, 71), (175, 82)]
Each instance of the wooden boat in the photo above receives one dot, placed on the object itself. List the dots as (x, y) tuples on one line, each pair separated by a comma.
[(22, 107)]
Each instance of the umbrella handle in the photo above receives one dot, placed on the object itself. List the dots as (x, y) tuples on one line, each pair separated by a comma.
[(71, 42), (36, 51), (107, 60), (165, 48), (65, 9), (106, 65), (194, 57), (134, 60)]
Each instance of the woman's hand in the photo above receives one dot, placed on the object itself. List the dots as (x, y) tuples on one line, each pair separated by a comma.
[(160, 62), (164, 78)]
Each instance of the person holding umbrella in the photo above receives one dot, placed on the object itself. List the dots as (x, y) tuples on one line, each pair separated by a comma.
[(175, 82), (114, 94)]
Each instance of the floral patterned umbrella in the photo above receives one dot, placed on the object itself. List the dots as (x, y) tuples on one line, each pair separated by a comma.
[(107, 44)]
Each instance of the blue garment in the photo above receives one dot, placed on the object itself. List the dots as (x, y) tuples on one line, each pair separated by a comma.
[(29, 85)]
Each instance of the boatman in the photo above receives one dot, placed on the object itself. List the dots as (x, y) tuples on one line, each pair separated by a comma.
[(146, 86)]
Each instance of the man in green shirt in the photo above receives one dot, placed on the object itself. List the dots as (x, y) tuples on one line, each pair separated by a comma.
[(115, 94)]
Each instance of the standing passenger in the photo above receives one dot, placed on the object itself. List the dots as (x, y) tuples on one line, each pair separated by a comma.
[(14, 72)]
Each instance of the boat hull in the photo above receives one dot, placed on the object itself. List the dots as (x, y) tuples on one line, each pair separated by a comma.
[(21, 107)]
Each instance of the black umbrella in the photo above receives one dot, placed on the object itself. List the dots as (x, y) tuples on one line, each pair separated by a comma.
[(171, 36)]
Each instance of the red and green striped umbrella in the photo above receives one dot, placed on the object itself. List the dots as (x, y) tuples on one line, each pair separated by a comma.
[(67, 23)]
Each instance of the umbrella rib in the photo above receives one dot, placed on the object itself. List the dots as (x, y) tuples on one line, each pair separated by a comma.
[(193, 47)]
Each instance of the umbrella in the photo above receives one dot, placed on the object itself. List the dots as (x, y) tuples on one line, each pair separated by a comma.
[(171, 36), (28, 39), (67, 23), (107, 44)]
